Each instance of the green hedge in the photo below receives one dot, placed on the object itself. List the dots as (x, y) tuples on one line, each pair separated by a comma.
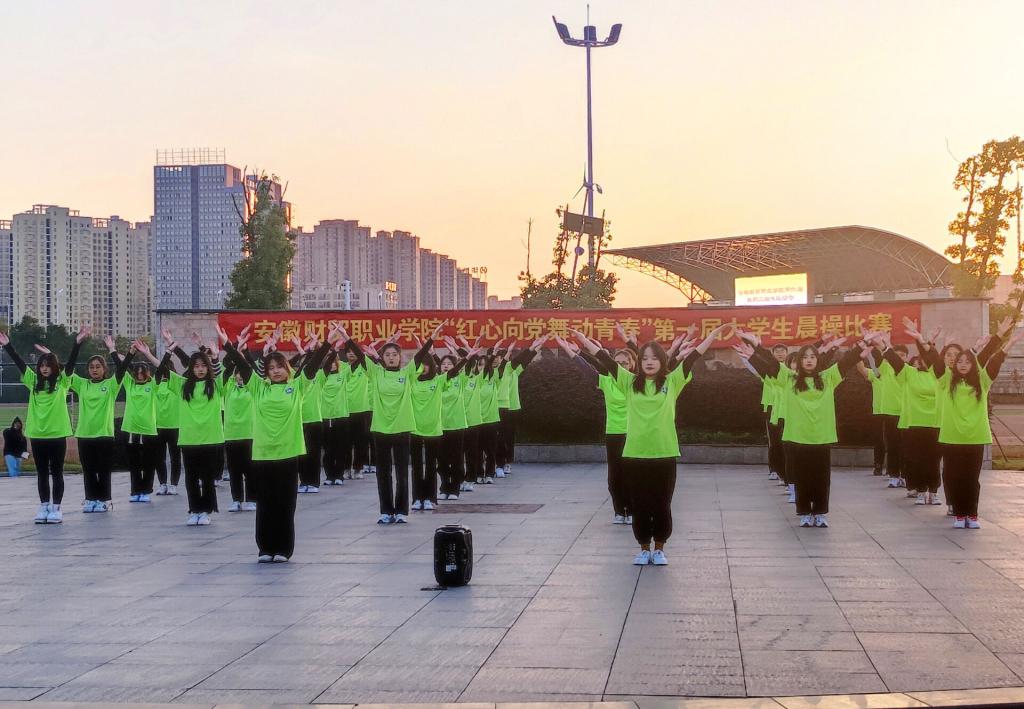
[(560, 405)]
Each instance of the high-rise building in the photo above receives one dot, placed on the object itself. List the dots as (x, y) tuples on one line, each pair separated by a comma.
[(395, 258), (197, 198), (430, 280), (71, 270), (337, 250), (496, 303), (6, 272), (479, 297), (463, 289), (447, 271)]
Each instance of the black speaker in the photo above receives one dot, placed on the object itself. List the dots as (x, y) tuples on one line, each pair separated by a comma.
[(453, 555)]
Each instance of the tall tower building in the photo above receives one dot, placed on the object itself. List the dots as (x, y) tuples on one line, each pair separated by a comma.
[(430, 280), (463, 289), (337, 250), (447, 283), (479, 297), (197, 197), (6, 272), (396, 259)]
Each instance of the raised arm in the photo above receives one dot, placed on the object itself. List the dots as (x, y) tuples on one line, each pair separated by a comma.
[(5, 342), (234, 356)]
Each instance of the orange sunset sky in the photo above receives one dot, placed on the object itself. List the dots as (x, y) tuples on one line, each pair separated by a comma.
[(461, 120)]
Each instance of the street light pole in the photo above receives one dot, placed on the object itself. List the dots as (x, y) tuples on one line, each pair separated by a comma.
[(589, 42)]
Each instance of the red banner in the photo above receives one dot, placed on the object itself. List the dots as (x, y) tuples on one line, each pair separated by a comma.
[(791, 325)]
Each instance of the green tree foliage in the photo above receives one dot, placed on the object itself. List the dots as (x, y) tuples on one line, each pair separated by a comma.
[(260, 279)]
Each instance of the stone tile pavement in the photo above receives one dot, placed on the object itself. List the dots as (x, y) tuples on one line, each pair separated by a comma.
[(133, 606)]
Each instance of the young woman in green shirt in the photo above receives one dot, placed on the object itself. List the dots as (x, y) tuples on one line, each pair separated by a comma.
[(651, 451), (511, 368), (808, 400), (451, 457), (278, 442), (138, 425), (312, 422), (200, 395), (238, 439), (337, 442), (360, 414), (48, 423), (425, 439)]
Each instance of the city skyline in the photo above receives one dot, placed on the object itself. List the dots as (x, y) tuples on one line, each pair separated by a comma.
[(710, 119)]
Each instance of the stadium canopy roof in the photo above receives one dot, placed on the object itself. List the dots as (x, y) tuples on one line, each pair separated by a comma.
[(837, 260)]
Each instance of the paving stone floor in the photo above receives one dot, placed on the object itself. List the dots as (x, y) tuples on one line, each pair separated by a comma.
[(133, 606)]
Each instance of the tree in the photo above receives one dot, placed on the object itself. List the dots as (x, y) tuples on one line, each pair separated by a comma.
[(260, 279)]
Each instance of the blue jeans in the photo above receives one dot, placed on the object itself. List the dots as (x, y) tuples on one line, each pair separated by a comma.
[(13, 465)]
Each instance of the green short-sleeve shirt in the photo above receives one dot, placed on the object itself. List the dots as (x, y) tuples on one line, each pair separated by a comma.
[(651, 415), (237, 410), (391, 396), (48, 415), (199, 419), (427, 396), (614, 404), (810, 414), (453, 406), (139, 407), (277, 417), (333, 394), (964, 415), (920, 399), (95, 406)]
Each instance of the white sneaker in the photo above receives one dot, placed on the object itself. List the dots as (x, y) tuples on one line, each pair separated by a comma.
[(462, 487), (88, 506), (384, 519), (443, 496), (921, 499), (172, 489), (469, 487), (658, 558), (453, 496), (806, 521), (792, 493), (901, 482), (193, 520), (773, 475), (642, 559), (338, 481), (629, 519), (973, 523), (500, 473), (145, 498), (100, 506), (820, 521), (328, 482), (960, 523), (248, 507), (428, 505), (935, 499), (508, 468), (312, 489), (280, 559), (134, 498), (488, 481), (346, 474), (400, 519), (372, 469), (264, 559), (235, 507), (162, 490), (303, 489), (43, 513), (359, 474), (204, 519), (618, 519), (54, 516), (417, 505)]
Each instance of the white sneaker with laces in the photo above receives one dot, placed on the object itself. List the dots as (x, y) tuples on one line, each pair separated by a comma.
[(642, 559), (820, 521), (960, 523), (338, 481), (145, 498), (443, 496), (193, 520), (134, 498), (658, 558), (806, 521), (400, 519), (88, 506), (384, 519), (248, 507), (453, 496), (235, 506), (500, 473), (172, 489), (935, 499), (303, 489), (328, 483), (973, 523), (54, 516), (43, 513), (417, 505), (618, 519), (792, 493), (427, 505), (162, 490), (312, 489), (280, 559), (264, 559), (488, 481), (921, 499), (893, 483), (100, 506), (204, 519)]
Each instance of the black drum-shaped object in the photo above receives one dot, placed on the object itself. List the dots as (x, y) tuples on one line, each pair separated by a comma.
[(453, 555)]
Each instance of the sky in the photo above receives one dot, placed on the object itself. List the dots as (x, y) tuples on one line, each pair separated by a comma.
[(461, 121)]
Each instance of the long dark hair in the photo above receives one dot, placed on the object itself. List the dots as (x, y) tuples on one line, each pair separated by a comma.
[(281, 361), (800, 383), (49, 382), (430, 368), (971, 379), (190, 379), (640, 379)]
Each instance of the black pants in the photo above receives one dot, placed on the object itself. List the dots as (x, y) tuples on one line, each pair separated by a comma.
[(167, 439), (49, 455), (812, 470), (424, 454), (893, 448), (142, 452), (652, 482), (878, 431), (963, 477), (921, 458), (507, 437), (203, 465), (337, 445), (471, 449), (451, 462), (309, 464), (392, 459), (776, 451), (362, 441), (488, 443), (618, 486), (239, 455), (275, 506), (96, 456)]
